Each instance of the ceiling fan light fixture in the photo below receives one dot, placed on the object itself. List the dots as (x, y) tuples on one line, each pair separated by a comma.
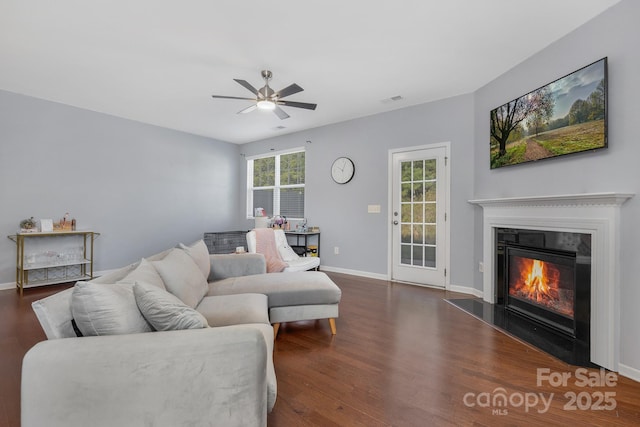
[(266, 104), (268, 99)]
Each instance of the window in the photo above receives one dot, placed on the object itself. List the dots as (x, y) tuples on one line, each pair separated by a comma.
[(276, 184)]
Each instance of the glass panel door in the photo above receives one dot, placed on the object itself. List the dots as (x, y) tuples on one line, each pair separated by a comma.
[(419, 218)]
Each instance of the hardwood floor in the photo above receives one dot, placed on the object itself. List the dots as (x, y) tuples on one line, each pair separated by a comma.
[(19, 331), (403, 356)]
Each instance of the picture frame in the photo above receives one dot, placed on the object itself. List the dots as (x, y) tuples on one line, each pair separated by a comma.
[(566, 116), (46, 225)]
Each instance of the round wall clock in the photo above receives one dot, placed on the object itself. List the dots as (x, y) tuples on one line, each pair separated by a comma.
[(342, 170)]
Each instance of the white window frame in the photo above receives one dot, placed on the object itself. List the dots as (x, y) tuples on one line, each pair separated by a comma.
[(276, 188)]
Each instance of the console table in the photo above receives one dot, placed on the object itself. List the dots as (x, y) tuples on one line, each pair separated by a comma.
[(46, 258)]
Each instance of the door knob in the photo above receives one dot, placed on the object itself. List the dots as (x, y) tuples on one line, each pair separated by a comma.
[(395, 222)]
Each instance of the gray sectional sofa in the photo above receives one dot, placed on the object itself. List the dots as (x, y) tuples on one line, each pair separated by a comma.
[(218, 373)]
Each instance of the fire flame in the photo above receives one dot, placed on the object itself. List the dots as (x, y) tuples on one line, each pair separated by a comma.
[(539, 282), (535, 282)]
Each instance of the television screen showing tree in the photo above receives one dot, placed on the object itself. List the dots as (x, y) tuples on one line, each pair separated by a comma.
[(566, 116)]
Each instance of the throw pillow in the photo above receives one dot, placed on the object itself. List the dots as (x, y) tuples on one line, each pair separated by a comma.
[(200, 255), (144, 272), (106, 309), (165, 312), (182, 277)]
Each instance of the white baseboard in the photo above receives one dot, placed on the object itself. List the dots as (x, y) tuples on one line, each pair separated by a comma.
[(103, 272), (466, 290), (453, 288), (7, 286), (354, 272), (629, 372)]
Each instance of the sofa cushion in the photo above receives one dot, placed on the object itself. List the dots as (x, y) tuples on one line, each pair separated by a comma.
[(225, 310), (182, 277), (106, 309), (144, 272), (54, 314), (164, 311), (200, 255), (297, 288)]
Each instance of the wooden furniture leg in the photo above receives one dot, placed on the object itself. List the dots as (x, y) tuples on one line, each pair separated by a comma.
[(276, 327), (332, 324)]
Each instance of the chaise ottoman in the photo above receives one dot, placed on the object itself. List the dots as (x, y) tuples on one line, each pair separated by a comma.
[(302, 295)]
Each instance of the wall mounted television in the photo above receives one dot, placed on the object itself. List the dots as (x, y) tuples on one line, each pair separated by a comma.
[(566, 116)]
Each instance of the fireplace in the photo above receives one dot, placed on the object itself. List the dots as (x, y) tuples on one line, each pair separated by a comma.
[(595, 217), (543, 286)]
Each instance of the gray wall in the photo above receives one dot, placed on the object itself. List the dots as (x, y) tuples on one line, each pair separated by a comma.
[(613, 34), (341, 210), (143, 187)]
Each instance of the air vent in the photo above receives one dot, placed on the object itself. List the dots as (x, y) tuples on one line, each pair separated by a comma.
[(392, 99)]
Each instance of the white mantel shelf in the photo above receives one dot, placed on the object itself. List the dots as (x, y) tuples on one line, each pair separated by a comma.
[(596, 214), (615, 199)]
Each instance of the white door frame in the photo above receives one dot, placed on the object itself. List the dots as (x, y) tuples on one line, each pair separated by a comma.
[(447, 229)]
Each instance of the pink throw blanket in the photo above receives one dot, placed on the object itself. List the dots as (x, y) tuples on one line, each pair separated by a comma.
[(266, 245)]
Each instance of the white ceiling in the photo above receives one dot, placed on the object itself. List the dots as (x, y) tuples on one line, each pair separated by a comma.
[(158, 61)]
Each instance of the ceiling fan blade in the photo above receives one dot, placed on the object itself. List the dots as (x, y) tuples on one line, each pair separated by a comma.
[(248, 109), (289, 90), (298, 104), (280, 113), (232, 97), (248, 86)]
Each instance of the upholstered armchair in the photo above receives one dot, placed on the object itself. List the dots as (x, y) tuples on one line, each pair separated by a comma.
[(282, 250)]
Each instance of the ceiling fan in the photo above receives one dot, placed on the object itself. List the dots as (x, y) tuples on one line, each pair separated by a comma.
[(268, 99)]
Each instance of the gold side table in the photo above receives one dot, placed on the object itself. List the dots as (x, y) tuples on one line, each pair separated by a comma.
[(57, 264)]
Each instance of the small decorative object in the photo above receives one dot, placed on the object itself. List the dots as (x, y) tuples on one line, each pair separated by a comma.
[(65, 224), (28, 225), (46, 225), (342, 170), (279, 221), (313, 250)]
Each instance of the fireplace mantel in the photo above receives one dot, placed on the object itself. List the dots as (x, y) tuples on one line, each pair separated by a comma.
[(597, 214), (604, 199)]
